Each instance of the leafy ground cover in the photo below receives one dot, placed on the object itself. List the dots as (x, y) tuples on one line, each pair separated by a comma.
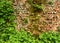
[(13, 36), (8, 33)]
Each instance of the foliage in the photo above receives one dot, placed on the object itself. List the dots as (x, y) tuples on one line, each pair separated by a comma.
[(13, 36), (6, 19), (50, 37), (50, 2), (6, 14), (36, 6), (8, 33)]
